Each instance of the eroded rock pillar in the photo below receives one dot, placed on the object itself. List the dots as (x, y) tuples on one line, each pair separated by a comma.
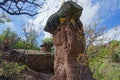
[(69, 44), (69, 41)]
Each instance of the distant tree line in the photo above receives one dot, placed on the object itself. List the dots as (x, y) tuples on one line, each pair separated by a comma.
[(15, 42)]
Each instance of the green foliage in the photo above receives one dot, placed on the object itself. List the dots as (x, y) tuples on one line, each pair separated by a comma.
[(4, 18), (104, 62), (9, 36), (30, 41), (115, 43), (16, 42), (32, 38), (10, 69), (1, 38), (49, 39), (19, 45), (97, 51), (95, 65), (1, 21), (116, 55), (110, 71)]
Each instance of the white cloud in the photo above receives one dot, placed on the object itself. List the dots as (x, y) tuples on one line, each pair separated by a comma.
[(52, 6), (112, 34), (91, 11)]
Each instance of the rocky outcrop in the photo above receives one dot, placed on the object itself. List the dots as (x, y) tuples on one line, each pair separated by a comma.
[(69, 41), (37, 61), (46, 46)]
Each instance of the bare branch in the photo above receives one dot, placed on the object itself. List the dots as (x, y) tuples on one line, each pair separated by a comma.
[(17, 7)]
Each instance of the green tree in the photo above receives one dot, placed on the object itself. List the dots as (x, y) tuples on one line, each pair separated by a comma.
[(49, 39), (30, 38), (10, 36), (4, 18)]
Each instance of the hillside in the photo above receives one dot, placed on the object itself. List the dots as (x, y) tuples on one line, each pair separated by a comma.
[(105, 61)]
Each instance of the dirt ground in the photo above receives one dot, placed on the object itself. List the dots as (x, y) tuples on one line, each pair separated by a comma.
[(32, 75)]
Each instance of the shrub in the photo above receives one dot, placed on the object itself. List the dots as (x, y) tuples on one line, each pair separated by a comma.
[(10, 70), (116, 55)]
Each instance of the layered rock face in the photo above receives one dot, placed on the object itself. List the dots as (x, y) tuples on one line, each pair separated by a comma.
[(69, 42)]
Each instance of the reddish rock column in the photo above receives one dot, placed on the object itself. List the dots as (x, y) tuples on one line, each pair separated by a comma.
[(69, 41)]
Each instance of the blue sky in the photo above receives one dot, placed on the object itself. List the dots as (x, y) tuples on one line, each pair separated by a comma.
[(113, 21), (107, 10)]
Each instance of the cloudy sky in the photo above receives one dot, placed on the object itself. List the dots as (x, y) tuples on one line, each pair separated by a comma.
[(106, 11)]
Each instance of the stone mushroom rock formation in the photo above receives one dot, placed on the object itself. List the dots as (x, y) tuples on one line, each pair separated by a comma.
[(69, 41), (69, 9)]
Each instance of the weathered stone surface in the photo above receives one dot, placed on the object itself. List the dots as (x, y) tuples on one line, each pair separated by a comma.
[(69, 9), (37, 61), (46, 46), (69, 41), (69, 44)]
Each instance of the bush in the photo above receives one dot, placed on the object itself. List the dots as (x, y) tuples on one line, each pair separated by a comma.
[(116, 55), (10, 70), (101, 65)]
